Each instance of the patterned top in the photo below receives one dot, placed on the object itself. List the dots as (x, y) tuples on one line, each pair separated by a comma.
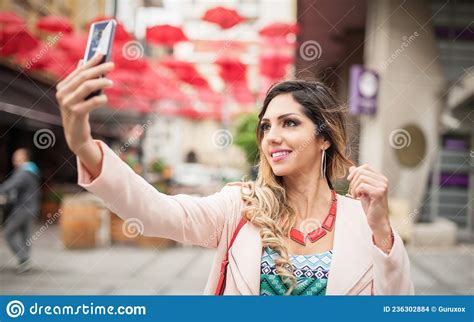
[(311, 273)]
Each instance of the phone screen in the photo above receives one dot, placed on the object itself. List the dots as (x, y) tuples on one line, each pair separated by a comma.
[(101, 37)]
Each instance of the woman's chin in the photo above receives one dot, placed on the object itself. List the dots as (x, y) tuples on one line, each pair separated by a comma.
[(280, 171)]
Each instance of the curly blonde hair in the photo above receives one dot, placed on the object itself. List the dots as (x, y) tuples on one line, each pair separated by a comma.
[(266, 199)]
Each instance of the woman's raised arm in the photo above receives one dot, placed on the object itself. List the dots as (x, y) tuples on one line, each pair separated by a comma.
[(183, 218), (71, 95), (190, 220)]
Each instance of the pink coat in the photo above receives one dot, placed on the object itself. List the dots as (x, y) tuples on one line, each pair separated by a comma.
[(358, 266)]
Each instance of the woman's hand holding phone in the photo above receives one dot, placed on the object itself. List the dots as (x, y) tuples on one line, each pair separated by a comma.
[(75, 108)]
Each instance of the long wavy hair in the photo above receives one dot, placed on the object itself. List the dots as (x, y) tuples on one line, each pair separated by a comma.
[(266, 200)]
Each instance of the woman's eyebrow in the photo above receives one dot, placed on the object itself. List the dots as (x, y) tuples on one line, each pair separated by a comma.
[(281, 116)]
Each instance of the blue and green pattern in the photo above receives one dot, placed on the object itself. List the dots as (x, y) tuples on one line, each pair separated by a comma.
[(311, 273)]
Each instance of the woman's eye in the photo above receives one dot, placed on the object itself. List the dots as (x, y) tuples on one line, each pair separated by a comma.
[(264, 127), (289, 123)]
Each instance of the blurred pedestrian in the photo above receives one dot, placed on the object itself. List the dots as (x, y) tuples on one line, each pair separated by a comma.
[(24, 183)]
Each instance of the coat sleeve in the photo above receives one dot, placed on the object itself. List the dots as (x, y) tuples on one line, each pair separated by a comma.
[(392, 271), (15, 182), (186, 219)]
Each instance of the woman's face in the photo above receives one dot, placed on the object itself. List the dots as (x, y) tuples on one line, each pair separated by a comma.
[(289, 142)]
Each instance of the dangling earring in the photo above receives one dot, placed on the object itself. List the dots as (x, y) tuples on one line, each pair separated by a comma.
[(323, 164)]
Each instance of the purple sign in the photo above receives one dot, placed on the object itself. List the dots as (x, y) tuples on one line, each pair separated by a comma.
[(363, 90)]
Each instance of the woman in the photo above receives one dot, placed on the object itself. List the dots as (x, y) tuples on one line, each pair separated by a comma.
[(298, 236)]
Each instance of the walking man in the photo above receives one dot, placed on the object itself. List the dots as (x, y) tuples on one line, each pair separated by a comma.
[(24, 183)]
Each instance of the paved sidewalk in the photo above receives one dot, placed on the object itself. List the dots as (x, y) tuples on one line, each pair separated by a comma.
[(132, 270)]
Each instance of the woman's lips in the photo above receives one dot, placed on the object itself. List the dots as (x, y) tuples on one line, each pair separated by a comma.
[(281, 157)]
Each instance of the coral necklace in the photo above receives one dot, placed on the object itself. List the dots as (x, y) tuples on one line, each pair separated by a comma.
[(320, 232)]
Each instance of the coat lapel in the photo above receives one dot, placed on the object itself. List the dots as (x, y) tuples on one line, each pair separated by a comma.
[(351, 256), (245, 258)]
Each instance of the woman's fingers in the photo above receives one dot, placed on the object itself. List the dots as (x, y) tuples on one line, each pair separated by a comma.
[(377, 188), (366, 189), (70, 76), (366, 175), (85, 89), (90, 104), (86, 74), (364, 178), (80, 67)]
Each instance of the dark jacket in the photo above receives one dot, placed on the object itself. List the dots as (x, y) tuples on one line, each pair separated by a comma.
[(24, 184)]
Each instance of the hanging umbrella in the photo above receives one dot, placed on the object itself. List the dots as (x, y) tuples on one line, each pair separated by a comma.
[(241, 93), (130, 91), (54, 61), (215, 102), (129, 57), (9, 18), (16, 40), (185, 71), (231, 69), (165, 35), (73, 44), (60, 65), (274, 66), (224, 17), (279, 29), (55, 24)]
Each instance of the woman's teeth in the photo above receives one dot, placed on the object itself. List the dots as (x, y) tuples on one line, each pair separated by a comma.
[(279, 154)]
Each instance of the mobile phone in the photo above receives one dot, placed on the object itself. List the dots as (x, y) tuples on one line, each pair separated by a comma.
[(101, 37)]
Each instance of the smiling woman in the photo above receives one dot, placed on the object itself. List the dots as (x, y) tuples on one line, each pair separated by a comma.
[(286, 233), (302, 139)]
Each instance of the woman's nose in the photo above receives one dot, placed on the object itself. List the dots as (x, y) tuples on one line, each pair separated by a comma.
[(274, 136)]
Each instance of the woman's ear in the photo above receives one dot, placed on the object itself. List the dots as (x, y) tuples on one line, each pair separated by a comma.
[(325, 144)]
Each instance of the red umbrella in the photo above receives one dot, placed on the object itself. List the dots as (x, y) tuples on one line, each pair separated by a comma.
[(130, 90), (166, 35), (224, 17), (141, 89), (9, 18), (241, 93), (279, 29), (186, 72), (16, 39), (232, 70), (274, 66), (52, 60), (213, 102), (129, 57), (60, 65), (73, 44), (55, 24), (121, 35)]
